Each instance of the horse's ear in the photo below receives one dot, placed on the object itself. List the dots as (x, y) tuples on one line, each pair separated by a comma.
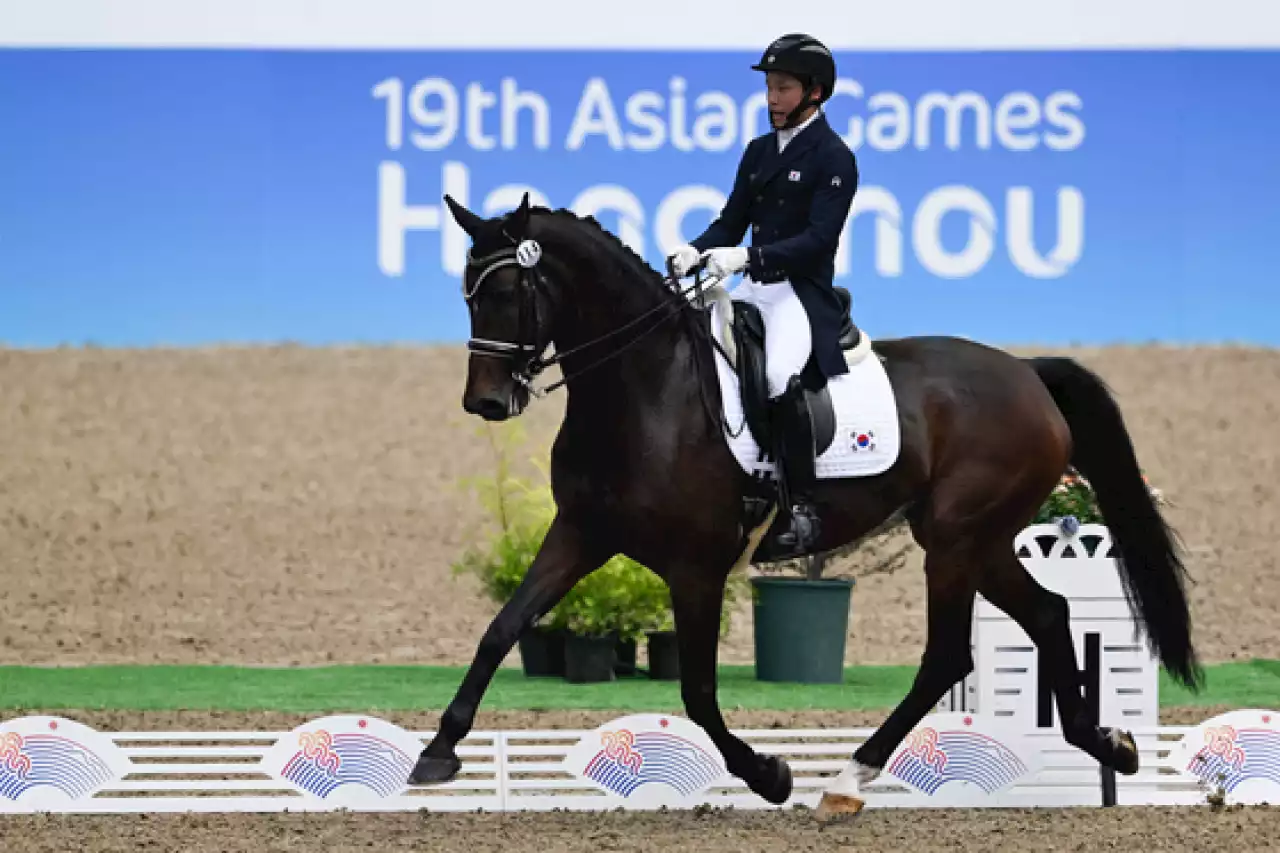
[(466, 220), (519, 219)]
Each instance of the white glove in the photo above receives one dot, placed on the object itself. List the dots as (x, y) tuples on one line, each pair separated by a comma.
[(684, 259), (726, 261)]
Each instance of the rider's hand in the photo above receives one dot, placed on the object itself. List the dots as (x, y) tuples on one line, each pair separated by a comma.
[(684, 259), (726, 261)]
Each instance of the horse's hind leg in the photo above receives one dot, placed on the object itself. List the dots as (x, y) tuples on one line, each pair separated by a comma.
[(1044, 616), (947, 659)]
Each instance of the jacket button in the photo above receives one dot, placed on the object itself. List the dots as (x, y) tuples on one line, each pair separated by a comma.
[(755, 229)]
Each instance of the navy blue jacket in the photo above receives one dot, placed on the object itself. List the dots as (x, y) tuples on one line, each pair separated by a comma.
[(796, 204)]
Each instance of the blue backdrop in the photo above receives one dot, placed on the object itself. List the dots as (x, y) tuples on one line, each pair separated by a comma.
[(183, 197)]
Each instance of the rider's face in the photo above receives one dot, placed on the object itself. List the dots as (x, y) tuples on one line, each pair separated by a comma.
[(785, 94)]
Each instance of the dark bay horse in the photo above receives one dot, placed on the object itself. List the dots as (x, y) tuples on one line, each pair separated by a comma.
[(641, 467)]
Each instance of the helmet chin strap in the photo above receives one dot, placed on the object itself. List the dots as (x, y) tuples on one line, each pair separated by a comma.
[(793, 117)]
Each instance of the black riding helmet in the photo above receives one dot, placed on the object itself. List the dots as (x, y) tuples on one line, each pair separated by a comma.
[(808, 60)]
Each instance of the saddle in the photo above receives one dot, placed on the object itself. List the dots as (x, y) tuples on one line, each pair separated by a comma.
[(746, 332), (740, 338)]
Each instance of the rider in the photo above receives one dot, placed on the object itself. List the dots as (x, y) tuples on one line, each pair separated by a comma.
[(794, 187)]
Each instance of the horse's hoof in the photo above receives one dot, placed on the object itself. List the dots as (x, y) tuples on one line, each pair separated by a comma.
[(839, 806), (775, 783), (432, 771), (1126, 760)]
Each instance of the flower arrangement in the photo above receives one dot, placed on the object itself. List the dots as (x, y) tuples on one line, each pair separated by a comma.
[(1073, 503)]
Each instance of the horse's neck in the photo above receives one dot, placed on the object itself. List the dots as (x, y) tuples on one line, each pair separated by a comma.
[(635, 373)]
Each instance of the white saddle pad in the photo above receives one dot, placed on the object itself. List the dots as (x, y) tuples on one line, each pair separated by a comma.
[(867, 436)]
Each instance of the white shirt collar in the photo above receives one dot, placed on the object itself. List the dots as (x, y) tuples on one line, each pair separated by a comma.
[(789, 133)]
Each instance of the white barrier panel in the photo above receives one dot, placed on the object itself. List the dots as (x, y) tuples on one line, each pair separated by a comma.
[(994, 743), (360, 763), (1120, 675)]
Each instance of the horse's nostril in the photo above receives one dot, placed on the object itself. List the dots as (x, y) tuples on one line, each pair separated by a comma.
[(489, 408)]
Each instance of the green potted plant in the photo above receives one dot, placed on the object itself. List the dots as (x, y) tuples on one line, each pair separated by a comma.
[(664, 649), (522, 513), (592, 633), (610, 610), (643, 607)]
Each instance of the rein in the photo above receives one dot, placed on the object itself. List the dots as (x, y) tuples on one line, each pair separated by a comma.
[(526, 255)]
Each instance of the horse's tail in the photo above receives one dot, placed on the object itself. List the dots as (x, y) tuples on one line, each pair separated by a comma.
[(1150, 564)]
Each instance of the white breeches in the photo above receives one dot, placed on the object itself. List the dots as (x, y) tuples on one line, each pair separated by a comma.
[(787, 337)]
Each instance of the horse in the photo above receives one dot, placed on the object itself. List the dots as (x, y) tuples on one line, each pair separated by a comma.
[(640, 466)]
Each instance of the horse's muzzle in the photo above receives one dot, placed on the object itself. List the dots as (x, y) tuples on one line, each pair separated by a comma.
[(488, 407)]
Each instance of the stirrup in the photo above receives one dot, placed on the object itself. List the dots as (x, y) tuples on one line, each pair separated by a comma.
[(804, 531)]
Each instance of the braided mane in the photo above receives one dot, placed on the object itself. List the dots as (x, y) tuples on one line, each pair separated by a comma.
[(687, 314), (633, 260)]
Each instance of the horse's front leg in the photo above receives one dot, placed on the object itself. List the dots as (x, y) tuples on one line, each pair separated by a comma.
[(562, 561), (697, 602)]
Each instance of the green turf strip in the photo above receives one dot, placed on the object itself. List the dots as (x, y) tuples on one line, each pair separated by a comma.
[(385, 688)]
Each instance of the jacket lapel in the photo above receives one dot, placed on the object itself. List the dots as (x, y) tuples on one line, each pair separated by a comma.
[(768, 165), (773, 162)]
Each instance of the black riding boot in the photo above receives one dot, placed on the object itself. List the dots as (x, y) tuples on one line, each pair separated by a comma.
[(794, 454)]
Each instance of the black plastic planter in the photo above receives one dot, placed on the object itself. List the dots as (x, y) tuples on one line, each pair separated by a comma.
[(542, 652), (664, 656), (588, 660), (625, 665)]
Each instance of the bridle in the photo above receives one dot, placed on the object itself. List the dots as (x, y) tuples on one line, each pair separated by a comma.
[(526, 353)]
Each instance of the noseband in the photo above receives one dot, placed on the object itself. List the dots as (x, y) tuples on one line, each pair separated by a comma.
[(526, 353)]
